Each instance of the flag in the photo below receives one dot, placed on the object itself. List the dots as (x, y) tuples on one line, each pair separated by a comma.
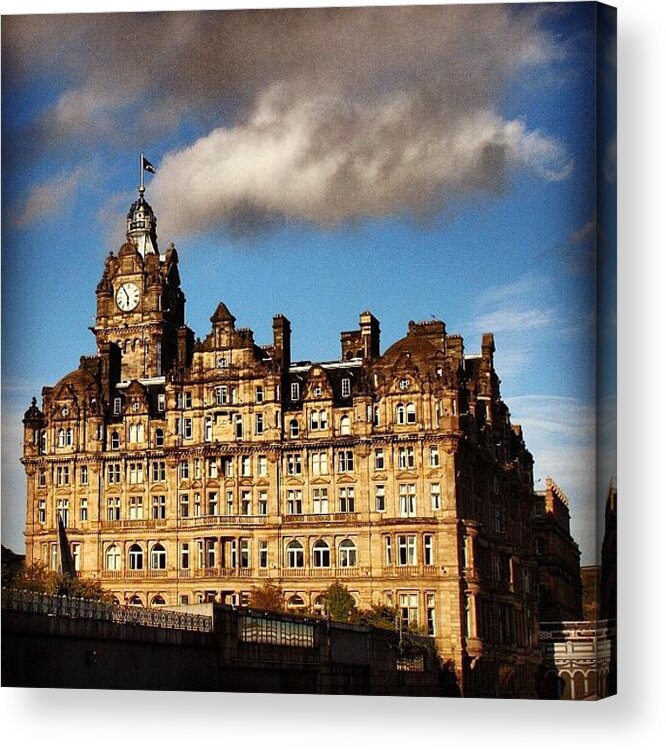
[(147, 166)]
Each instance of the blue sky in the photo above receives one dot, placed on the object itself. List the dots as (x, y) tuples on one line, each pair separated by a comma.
[(424, 162)]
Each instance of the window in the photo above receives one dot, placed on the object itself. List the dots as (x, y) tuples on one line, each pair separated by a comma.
[(54, 556), (345, 425), (258, 423), (380, 498), (262, 466), (159, 507), (321, 555), (430, 614), (197, 468), (295, 557), (404, 384), (208, 429), (184, 506), (346, 387), (41, 512), (539, 507), (294, 501), (161, 402), (228, 466), (212, 468), (187, 428), (113, 473), (41, 477), (246, 503), (346, 499), (185, 555), (135, 555), (197, 505), (500, 520), (434, 455), (62, 475), (259, 394), (83, 476), (406, 457), (83, 509), (320, 500), (238, 427), (294, 466), (63, 511), (246, 466), (263, 502), (293, 428), (179, 400), (435, 496), (159, 471), (209, 547), (379, 459), (184, 470), (136, 508), (400, 414), (407, 500), (406, 549), (263, 554), (187, 398), (409, 611), (61, 438), (230, 503), (158, 557), (295, 391), (115, 441), (135, 472), (319, 463), (212, 506), (113, 509), (112, 558), (221, 395), (76, 555), (159, 438), (244, 553), (540, 545), (428, 549), (314, 420), (388, 550), (222, 362), (117, 405), (347, 554), (376, 417), (411, 414), (345, 462)]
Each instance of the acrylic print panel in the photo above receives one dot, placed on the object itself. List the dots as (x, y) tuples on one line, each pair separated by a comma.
[(302, 397)]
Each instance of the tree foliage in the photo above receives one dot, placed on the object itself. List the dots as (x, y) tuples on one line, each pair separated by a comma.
[(340, 604), (37, 577), (267, 598), (378, 616)]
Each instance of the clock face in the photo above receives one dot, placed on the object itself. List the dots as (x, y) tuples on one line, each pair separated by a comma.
[(128, 296)]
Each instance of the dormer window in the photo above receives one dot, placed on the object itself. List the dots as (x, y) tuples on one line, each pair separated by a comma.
[(161, 402), (222, 362), (295, 391), (346, 387), (117, 405)]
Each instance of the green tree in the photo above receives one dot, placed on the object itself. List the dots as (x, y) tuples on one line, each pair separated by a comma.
[(267, 598), (340, 604), (37, 577), (378, 616)]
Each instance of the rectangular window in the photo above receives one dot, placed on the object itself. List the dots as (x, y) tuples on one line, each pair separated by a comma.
[(434, 455), (320, 500), (208, 429), (76, 555), (136, 507), (294, 466), (244, 550), (113, 509), (161, 401), (406, 457), (83, 509), (345, 462), (179, 400), (406, 549), (379, 459), (259, 394), (428, 549), (159, 507), (221, 395), (407, 500), (212, 504), (246, 466), (435, 496), (295, 391), (294, 502), (262, 466), (409, 610), (185, 555), (184, 506), (83, 475), (187, 428), (188, 399), (230, 503), (263, 502), (159, 471), (41, 478), (135, 472), (41, 512), (212, 468), (210, 553), (346, 499), (228, 466), (380, 498), (197, 505), (430, 614), (388, 550), (346, 387), (263, 554), (319, 463), (54, 556), (62, 475), (258, 423), (197, 468), (117, 405), (246, 503)]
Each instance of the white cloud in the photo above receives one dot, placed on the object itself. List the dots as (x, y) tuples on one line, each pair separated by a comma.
[(48, 198)]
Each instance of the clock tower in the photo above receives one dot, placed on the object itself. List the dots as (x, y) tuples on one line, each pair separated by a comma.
[(140, 306)]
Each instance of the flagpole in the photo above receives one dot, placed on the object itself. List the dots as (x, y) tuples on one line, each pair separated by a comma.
[(141, 188)]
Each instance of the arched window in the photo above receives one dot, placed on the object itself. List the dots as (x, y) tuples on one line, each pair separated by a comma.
[(323, 419), (319, 605), (295, 557), (345, 425), (158, 557), (61, 438), (296, 603), (159, 437), (112, 557), (135, 557), (314, 420), (132, 433), (347, 554), (157, 601), (321, 555), (411, 414), (115, 441), (135, 601), (139, 433), (69, 436), (400, 414), (293, 428)]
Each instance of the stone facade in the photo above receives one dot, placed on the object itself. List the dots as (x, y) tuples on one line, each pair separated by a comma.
[(191, 470)]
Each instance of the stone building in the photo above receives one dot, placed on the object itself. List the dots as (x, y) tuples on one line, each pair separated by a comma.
[(189, 470), (557, 556)]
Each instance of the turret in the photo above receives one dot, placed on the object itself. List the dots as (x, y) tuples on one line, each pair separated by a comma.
[(142, 226)]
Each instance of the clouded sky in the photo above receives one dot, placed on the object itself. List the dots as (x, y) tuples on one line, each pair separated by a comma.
[(424, 161)]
